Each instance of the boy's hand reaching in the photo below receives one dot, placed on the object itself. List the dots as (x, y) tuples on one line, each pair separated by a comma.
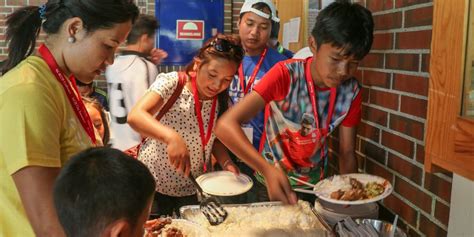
[(156, 55), (278, 186)]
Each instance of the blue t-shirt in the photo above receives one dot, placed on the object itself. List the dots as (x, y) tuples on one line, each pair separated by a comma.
[(236, 92)]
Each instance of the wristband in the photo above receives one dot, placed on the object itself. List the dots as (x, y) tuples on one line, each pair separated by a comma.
[(225, 163)]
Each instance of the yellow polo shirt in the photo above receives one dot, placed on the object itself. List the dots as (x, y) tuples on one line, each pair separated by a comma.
[(38, 127)]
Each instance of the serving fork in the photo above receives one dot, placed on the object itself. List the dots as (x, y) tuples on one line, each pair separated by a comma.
[(210, 206)]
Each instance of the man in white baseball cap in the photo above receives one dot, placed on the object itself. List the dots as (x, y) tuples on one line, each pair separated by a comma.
[(248, 7), (255, 25)]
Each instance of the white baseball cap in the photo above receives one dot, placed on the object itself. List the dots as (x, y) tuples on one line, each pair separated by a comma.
[(247, 7)]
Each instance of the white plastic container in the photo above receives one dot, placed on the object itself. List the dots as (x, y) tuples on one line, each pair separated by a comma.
[(332, 213)]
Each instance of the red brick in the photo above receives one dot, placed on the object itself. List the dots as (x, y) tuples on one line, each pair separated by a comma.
[(413, 40), (368, 131), (442, 213), (18, 3), (407, 126), (414, 106), (399, 144), (405, 168), (411, 84), (413, 194), (358, 75), (438, 186), (388, 21), (402, 209), (376, 169), (379, 5), (384, 99), (360, 162), (420, 153), (373, 60), (406, 3), (6, 10), (374, 115), (373, 78), (365, 94), (373, 151), (407, 62), (425, 63), (419, 17), (383, 41), (429, 228), (411, 232)]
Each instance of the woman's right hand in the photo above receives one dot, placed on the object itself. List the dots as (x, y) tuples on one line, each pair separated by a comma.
[(178, 154)]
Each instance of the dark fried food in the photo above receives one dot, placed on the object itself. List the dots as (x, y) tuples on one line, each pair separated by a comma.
[(358, 191), (337, 194), (154, 227), (174, 232), (353, 195), (356, 184)]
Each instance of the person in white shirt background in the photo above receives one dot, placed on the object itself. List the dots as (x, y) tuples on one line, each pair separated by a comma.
[(128, 78)]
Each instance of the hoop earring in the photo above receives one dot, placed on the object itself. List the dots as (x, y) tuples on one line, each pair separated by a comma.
[(71, 39)]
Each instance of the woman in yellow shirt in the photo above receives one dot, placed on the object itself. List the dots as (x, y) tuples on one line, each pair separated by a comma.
[(42, 118)]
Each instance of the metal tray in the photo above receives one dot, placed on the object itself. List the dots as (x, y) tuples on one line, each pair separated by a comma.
[(187, 212)]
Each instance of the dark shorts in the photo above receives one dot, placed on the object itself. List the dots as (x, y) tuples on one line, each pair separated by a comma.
[(164, 205)]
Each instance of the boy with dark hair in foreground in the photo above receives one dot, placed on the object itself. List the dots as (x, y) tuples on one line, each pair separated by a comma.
[(103, 192)]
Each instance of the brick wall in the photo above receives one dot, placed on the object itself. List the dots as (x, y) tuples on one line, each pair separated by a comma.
[(390, 139)]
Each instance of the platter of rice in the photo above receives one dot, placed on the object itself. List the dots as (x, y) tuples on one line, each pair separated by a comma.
[(262, 219)]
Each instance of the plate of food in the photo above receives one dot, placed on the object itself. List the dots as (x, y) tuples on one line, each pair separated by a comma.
[(167, 227), (224, 183), (353, 189)]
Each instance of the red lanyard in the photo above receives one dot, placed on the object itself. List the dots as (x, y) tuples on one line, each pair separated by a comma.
[(205, 137), (321, 132), (74, 98), (246, 88)]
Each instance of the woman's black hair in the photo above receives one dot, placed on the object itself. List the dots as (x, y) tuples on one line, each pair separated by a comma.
[(346, 25), (234, 54), (23, 25)]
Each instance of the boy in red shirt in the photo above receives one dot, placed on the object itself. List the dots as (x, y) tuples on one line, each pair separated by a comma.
[(322, 88)]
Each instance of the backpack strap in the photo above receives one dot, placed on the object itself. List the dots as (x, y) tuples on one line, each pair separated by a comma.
[(177, 92)]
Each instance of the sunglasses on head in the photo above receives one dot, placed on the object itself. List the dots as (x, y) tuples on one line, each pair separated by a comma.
[(225, 46)]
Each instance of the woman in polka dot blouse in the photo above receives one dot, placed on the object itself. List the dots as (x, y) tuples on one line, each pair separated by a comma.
[(183, 140)]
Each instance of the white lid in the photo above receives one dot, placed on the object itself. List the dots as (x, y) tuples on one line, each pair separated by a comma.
[(247, 7), (224, 183)]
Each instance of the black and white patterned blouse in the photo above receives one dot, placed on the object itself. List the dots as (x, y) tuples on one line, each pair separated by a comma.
[(182, 118)]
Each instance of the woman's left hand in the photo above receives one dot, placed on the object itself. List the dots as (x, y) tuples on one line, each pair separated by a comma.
[(229, 165)]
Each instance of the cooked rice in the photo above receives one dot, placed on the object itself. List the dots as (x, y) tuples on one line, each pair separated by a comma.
[(290, 220)]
